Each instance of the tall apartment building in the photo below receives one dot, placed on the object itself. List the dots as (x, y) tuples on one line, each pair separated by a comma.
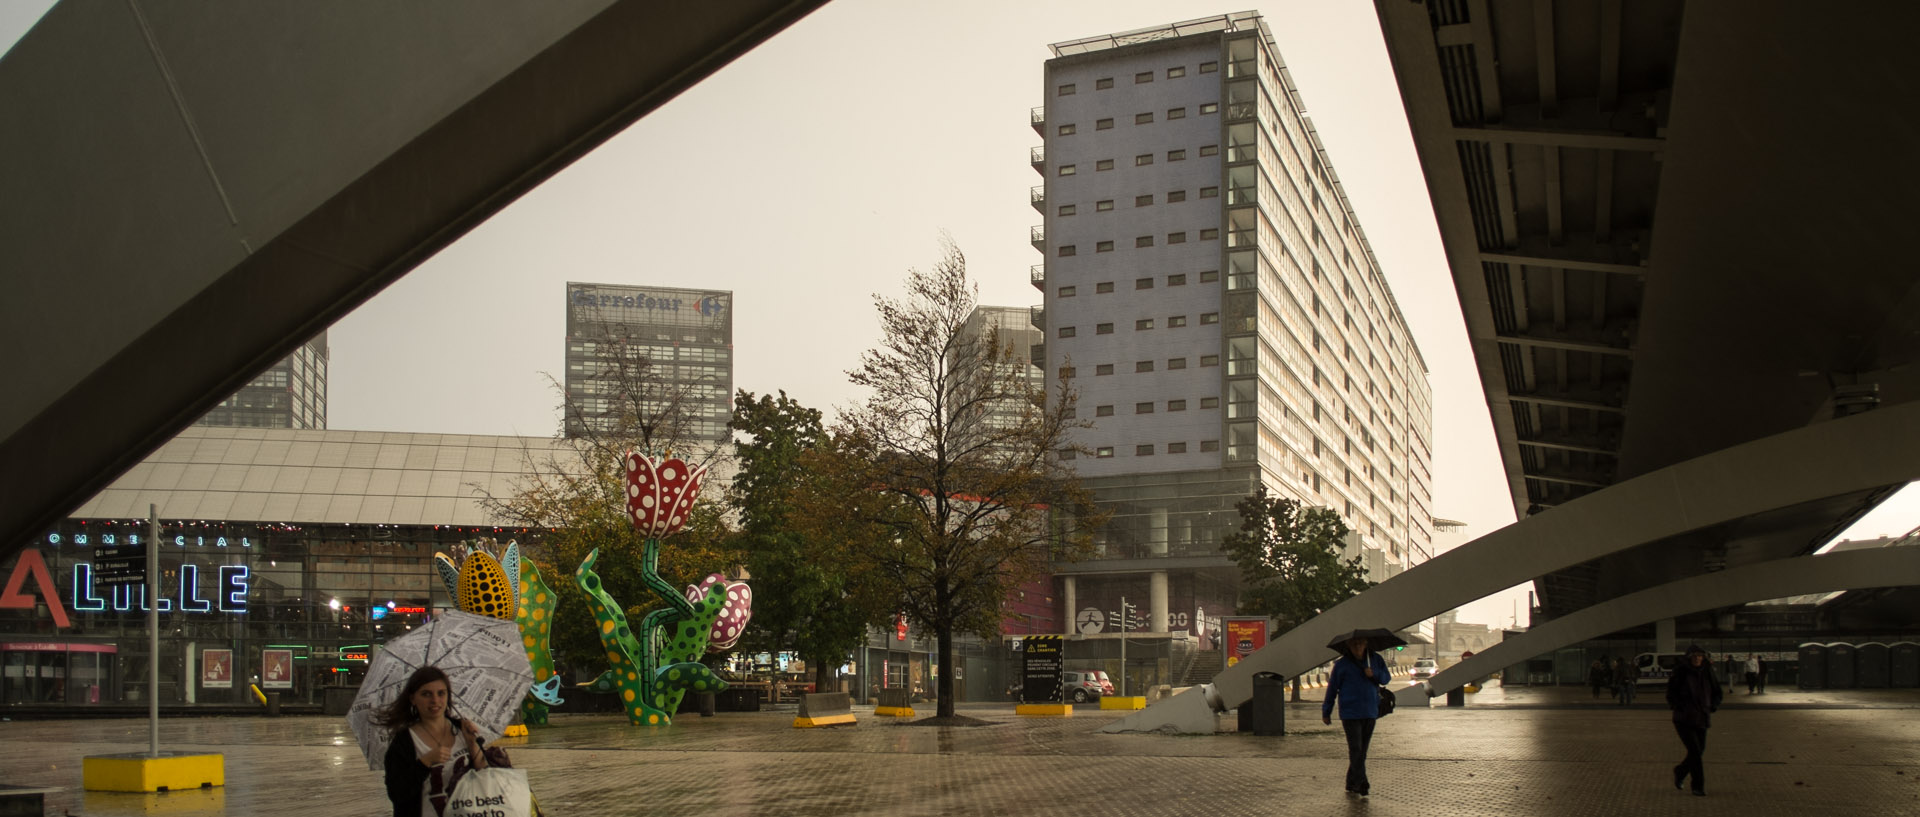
[(1210, 294), (1017, 334), (683, 336), (292, 394)]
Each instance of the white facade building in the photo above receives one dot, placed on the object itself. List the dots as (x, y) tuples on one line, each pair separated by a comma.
[(1209, 293)]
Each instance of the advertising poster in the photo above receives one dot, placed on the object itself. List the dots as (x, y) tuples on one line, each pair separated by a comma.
[(276, 669), (1244, 635), (216, 669)]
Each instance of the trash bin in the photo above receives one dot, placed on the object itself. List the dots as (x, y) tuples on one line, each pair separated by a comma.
[(273, 704), (1268, 708)]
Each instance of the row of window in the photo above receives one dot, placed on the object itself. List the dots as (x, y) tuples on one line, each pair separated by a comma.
[(1142, 160), (1140, 366), (1142, 242), (1141, 118), (1142, 325), (1141, 78), (1147, 407), (1173, 197), (1105, 452), (1178, 279)]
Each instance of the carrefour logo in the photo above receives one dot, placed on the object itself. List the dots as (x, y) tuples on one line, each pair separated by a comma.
[(711, 306)]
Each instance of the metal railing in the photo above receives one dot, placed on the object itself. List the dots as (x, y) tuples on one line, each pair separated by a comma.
[(1037, 275), (1037, 315)]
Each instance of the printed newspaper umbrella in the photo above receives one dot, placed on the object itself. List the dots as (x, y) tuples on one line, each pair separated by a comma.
[(1377, 640), (482, 657)]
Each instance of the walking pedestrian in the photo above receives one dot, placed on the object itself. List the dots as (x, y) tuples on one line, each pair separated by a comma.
[(1763, 675), (1596, 676), (1626, 681), (1693, 693), (1355, 683), (1753, 672)]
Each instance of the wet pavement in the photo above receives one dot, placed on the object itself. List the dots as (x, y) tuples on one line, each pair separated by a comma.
[(1553, 751)]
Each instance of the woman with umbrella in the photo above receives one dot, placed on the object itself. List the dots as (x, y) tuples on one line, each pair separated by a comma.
[(426, 742), (1355, 682)]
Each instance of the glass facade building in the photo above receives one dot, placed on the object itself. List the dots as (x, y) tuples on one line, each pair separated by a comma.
[(292, 394), (649, 349)]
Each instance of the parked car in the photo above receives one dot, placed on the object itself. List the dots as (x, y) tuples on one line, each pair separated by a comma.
[(1106, 684), (1424, 668), (1080, 687)]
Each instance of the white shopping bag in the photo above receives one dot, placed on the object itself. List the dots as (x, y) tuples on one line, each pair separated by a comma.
[(491, 792)]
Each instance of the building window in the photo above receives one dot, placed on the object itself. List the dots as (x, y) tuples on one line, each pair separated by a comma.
[(1067, 89), (1143, 201), (1176, 321), (1176, 238), (1178, 279), (1067, 130), (1176, 196), (1143, 324), (1206, 446), (1143, 118), (1143, 450), (1209, 150), (1176, 113), (1102, 124), (1209, 107), (1069, 250), (1068, 453), (1103, 205), (1209, 402), (1067, 372), (1143, 283), (1143, 408), (1143, 241), (1143, 160), (1209, 318), (1068, 292), (1176, 448), (1143, 78), (1176, 72), (1068, 209), (1205, 361), (1209, 192), (1068, 331), (1104, 452), (1176, 405), (1103, 164), (1104, 246), (1176, 155), (1142, 367), (1209, 276), (1176, 363), (1103, 329), (1103, 287), (1209, 67), (1068, 170), (1103, 369), (1103, 411), (1210, 234), (1103, 83)]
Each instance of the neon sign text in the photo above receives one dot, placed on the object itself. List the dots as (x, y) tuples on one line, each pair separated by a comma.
[(229, 595)]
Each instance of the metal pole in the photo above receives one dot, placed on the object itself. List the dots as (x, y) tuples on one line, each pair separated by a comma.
[(153, 631), (1125, 618)]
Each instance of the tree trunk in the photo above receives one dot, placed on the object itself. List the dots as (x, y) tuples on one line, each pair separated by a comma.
[(945, 658), (823, 677)]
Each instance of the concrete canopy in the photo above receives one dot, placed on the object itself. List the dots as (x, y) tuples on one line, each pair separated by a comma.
[(195, 189)]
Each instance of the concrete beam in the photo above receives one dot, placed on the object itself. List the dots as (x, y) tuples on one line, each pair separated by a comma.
[(1858, 454), (1848, 570)]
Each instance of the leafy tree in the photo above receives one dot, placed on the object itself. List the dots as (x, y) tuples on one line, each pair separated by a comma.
[(946, 479), (1289, 558), (811, 594)]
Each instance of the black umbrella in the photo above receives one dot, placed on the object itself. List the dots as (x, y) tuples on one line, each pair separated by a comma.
[(1377, 640)]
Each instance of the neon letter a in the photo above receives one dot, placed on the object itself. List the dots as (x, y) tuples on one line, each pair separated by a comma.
[(31, 564)]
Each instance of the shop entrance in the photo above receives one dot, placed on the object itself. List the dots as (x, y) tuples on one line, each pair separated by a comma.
[(54, 673)]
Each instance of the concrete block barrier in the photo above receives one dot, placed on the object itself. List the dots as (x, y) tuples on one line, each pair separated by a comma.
[(824, 709)]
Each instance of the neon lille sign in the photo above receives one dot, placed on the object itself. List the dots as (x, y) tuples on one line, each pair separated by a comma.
[(229, 592)]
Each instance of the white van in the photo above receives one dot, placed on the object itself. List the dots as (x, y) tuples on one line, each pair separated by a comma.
[(1656, 667)]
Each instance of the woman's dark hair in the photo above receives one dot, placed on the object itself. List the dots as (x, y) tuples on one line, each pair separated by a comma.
[(399, 714)]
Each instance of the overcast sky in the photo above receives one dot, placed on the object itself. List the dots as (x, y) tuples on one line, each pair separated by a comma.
[(813, 172)]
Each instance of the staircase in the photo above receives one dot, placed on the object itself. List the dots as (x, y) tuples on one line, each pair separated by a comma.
[(1202, 666)]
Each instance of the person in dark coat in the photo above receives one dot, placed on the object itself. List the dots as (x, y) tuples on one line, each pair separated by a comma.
[(1693, 693), (1597, 676), (1355, 682)]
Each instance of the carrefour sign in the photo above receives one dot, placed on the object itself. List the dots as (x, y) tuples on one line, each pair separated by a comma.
[(709, 306)]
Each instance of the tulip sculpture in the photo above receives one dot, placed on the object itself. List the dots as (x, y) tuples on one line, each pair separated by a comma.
[(654, 669)]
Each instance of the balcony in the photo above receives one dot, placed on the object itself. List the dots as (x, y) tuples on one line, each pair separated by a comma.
[(1237, 196), (1038, 157), (1037, 196), (1241, 110), (1037, 355), (1039, 117), (1038, 235), (1240, 410), (1037, 275), (1239, 281), (1037, 315), (1240, 238), (1243, 366)]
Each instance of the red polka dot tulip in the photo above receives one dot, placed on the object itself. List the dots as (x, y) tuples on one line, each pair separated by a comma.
[(660, 494), (734, 614)]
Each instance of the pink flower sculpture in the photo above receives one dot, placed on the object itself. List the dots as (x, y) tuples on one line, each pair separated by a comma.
[(733, 617), (659, 495)]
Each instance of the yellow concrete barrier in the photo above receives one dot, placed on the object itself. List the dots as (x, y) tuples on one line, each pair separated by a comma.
[(139, 772), (893, 711), (1044, 710), (1123, 702)]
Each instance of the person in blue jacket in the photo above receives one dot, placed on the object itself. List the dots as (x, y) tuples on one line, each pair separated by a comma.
[(1355, 682)]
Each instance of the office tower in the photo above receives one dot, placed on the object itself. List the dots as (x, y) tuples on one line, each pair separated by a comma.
[(1018, 337), (292, 394), (649, 352), (1209, 292)]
